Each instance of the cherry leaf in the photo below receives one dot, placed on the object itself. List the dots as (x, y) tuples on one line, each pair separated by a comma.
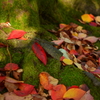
[(39, 52), (16, 34)]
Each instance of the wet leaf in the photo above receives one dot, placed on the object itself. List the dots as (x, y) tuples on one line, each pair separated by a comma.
[(39, 52), (58, 91), (74, 93), (16, 34)]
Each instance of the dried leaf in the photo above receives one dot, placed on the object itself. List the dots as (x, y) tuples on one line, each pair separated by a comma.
[(58, 42), (13, 96), (74, 93), (10, 86), (91, 39), (78, 65), (87, 96), (11, 80), (84, 87), (16, 34), (58, 91), (2, 97), (82, 35), (97, 19), (39, 52)]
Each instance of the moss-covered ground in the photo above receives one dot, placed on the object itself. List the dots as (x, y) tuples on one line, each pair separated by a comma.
[(36, 17)]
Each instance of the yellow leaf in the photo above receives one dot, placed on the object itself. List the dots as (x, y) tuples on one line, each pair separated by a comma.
[(68, 61), (87, 18), (74, 93)]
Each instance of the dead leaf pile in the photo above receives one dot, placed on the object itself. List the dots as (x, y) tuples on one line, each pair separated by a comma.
[(78, 48)]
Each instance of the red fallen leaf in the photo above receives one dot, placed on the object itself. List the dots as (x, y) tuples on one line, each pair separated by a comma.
[(39, 52), (2, 78), (93, 24), (74, 86), (16, 34), (73, 52), (25, 89), (58, 91), (11, 66)]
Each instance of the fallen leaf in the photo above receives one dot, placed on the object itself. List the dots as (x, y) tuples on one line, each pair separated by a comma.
[(92, 39), (13, 96), (74, 93), (57, 92), (25, 89), (11, 80), (1, 97), (2, 78), (74, 52), (58, 42), (87, 96), (65, 53), (47, 81), (84, 87), (93, 24), (39, 52), (87, 18), (16, 34), (10, 86), (68, 61), (11, 66)]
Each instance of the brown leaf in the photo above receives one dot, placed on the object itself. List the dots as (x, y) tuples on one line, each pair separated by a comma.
[(10, 86), (12, 96), (1, 97)]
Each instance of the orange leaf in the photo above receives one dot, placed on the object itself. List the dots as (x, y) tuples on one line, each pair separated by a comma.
[(47, 81), (74, 93), (58, 91)]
